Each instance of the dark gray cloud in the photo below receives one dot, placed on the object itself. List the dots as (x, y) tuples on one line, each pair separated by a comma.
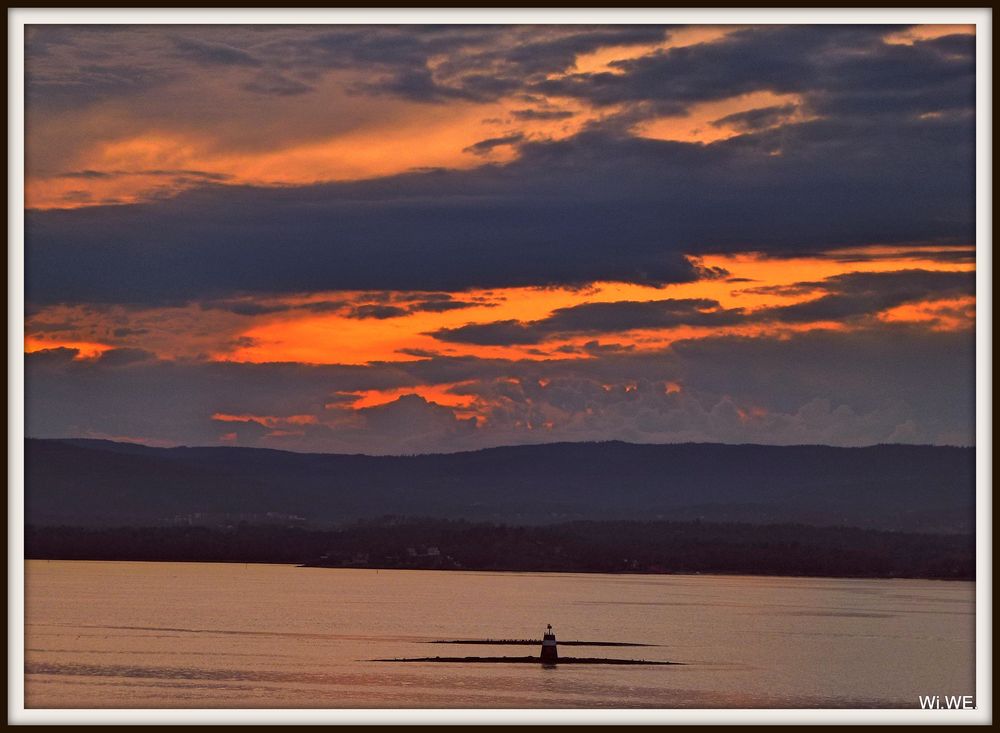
[(211, 53), (507, 333), (541, 114), (845, 296), (123, 332), (757, 119), (422, 353), (477, 63), (323, 306), (840, 67), (54, 327), (368, 305), (841, 71), (548, 218), (167, 173), (124, 357), (271, 83), (595, 318), (949, 254), (865, 293), (486, 146), (889, 160), (483, 62), (244, 307), (376, 311), (440, 306), (624, 315)]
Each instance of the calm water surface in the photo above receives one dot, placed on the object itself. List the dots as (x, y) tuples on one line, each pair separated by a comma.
[(135, 635)]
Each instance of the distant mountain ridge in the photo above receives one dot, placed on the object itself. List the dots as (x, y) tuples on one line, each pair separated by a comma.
[(896, 487)]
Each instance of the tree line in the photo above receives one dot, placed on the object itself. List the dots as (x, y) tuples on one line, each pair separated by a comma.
[(583, 546)]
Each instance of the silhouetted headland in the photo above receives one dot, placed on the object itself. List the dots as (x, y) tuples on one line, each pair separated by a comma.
[(910, 488)]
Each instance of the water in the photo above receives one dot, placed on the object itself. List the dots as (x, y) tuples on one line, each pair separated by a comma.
[(192, 635)]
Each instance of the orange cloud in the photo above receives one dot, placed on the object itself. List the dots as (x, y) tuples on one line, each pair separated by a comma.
[(938, 315), (438, 393), (287, 329), (270, 421), (926, 32), (601, 60), (86, 349), (161, 162)]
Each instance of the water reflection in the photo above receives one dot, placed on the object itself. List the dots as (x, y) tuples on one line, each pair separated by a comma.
[(201, 635)]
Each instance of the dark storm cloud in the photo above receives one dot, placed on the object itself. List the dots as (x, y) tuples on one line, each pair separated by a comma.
[(548, 218), (840, 69), (544, 222), (595, 318), (890, 161)]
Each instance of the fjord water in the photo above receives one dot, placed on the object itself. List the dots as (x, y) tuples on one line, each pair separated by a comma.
[(193, 635)]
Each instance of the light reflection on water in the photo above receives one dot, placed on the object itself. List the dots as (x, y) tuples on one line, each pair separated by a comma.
[(275, 636)]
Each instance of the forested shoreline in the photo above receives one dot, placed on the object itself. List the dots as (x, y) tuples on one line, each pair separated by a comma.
[(585, 546)]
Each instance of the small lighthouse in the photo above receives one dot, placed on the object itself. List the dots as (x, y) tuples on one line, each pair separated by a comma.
[(549, 653)]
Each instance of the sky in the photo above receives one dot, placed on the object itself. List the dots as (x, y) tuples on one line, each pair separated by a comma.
[(407, 239)]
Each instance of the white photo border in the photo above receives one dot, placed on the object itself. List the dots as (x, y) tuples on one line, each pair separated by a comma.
[(17, 18)]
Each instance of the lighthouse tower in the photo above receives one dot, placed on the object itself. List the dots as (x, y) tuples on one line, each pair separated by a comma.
[(549, 653)]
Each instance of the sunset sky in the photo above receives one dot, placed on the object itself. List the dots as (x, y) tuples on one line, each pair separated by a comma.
[(406, 239)]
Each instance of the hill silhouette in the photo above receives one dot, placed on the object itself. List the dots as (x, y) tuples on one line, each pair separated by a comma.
[(894, 487)]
